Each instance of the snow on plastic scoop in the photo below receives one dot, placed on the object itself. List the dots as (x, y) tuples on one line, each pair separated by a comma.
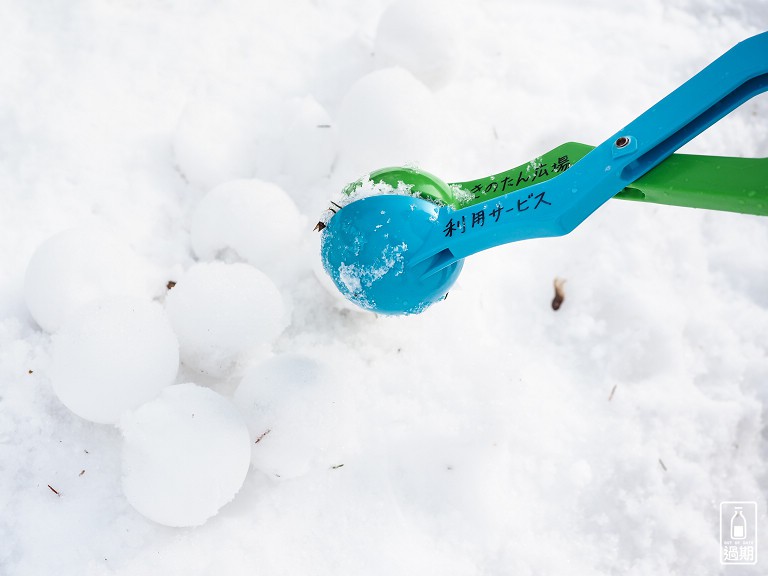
[(396, 241)]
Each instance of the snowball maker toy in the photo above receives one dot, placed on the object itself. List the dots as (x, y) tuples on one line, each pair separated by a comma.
[(401, 251)]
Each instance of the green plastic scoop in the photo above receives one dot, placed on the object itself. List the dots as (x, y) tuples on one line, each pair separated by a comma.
[(710, 182)]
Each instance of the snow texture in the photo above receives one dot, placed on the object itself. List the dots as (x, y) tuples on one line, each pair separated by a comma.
[(310, 141), (365, 188), (356, 277), (185, 455), (322, 278), (489, 435), (113, 356), (276, 395)]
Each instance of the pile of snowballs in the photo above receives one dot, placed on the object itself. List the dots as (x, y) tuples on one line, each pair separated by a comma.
[(120, 337), (127, 339)]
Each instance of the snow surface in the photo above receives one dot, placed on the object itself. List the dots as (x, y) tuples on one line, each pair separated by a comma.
[(489, 435), (276, 395)]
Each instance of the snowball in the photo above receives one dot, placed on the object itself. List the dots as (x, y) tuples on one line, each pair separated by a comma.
[(74, 267), (228, 131), (221, 312), (255, 220), (299, 413), (185, 455), (419, 35), (388, 118), (112, 356), (310, 141), (338, 64)]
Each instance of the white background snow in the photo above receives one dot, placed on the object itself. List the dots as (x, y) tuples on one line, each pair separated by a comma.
[(489, 435)]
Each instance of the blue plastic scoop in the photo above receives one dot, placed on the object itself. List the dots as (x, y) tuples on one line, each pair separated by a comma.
[(400, 253)]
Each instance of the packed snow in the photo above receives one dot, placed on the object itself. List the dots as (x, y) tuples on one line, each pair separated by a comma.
[(74, 267), (221, 312), (185, 455), (214, 141), (162, 166), (416, 36), (365, 187), (399, 111), (113, 356), (248, 220)]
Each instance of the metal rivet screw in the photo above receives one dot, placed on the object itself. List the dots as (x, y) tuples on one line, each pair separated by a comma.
[(622, 142)]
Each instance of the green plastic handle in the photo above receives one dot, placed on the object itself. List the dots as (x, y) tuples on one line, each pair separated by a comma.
[(709, 182)]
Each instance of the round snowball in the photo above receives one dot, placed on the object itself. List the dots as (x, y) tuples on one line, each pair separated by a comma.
[(388, 118), (185, 455), (338, 64), (227, 131), (299, 413), (222, 311), (77, 266), (255, 220), (113, 356), (419, 35)]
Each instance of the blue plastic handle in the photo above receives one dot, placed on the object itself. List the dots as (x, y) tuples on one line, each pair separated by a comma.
[(399, 254), (556, 207)]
